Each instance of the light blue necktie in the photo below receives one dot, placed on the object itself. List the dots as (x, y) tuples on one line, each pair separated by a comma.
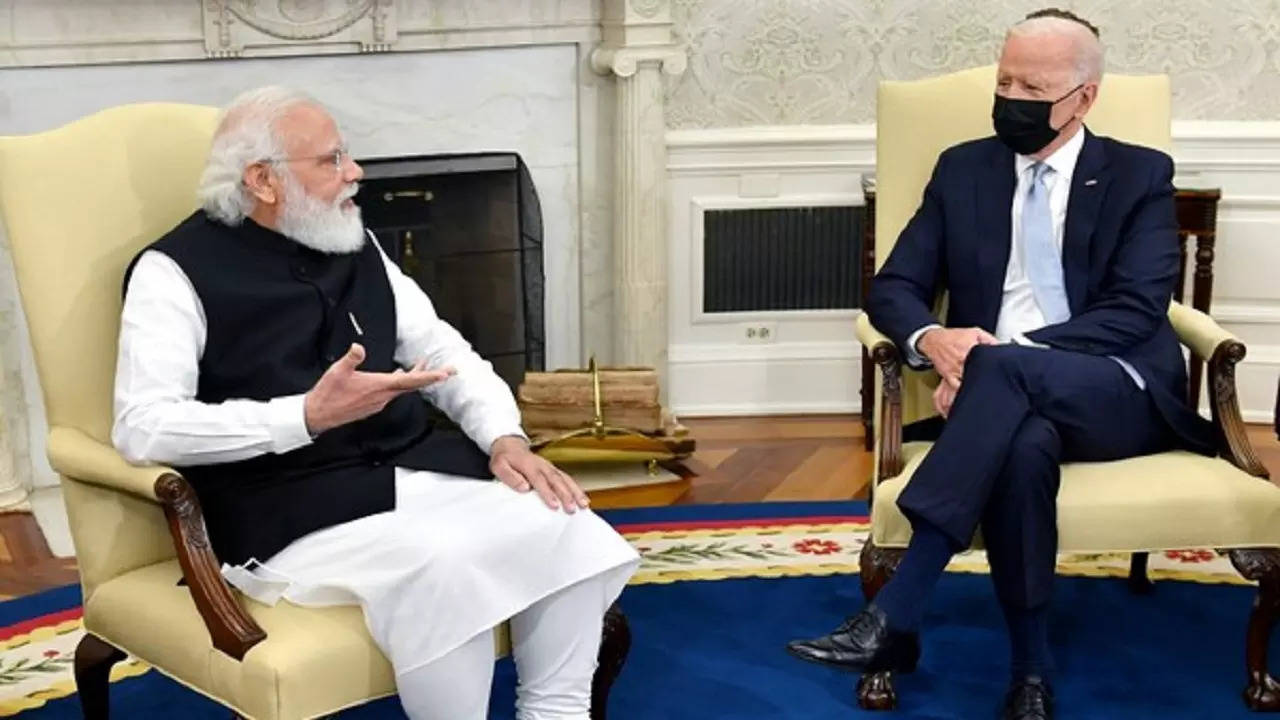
[(1040, 259)]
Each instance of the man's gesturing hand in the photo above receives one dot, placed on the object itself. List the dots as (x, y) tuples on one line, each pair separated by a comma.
[(520, 469), (948, 348), (344, 394)]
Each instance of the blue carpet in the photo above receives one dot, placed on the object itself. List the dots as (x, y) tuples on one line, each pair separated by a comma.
[(714, 649)]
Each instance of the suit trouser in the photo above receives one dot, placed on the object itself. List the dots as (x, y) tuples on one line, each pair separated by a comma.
[(1020, 413)]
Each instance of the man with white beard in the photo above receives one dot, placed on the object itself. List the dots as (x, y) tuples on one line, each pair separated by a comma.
[(273, 353)]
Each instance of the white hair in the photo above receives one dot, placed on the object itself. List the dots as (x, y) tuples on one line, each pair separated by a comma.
[(1088, 61), (246, 134)]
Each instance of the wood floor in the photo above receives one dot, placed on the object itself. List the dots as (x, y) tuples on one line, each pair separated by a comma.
[(738, 460)]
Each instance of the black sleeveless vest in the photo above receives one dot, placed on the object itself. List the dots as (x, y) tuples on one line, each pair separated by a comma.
[(278, 314)]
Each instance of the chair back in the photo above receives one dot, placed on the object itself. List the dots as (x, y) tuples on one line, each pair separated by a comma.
[(78, 202), (917, 120)]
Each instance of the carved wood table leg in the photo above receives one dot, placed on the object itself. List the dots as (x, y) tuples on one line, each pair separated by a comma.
[(1262, 565), (875, 566), (93, 662), (615, 643)]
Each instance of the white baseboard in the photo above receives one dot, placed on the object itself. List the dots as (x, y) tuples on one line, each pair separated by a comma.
[(779, 379)]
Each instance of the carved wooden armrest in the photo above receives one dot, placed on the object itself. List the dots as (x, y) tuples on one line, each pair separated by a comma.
[(885, 354), (1211, 342), (1233, 441), (232, 630)]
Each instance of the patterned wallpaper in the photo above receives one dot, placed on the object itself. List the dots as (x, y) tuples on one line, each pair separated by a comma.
[(765, 62)]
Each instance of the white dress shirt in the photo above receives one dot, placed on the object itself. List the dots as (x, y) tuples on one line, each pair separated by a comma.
[(162, 338), (1019, 311)]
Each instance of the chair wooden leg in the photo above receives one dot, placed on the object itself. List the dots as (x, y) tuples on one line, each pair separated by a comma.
[(92, 667), (1263, 565), (1139, 583), (876, 565), (615, 643)]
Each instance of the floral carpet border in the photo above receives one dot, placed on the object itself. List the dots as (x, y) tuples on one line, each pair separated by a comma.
[(36, 655), (676, 552)]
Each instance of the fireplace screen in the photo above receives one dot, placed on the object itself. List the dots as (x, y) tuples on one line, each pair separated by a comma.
[(468, 229)]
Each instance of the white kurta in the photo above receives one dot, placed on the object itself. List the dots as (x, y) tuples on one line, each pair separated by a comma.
[(456, 556)]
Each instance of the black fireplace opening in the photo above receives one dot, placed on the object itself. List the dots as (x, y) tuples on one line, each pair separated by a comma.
[(468, 229)]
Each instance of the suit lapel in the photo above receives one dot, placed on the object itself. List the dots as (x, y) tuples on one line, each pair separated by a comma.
[(1088, 187), (994, 197)]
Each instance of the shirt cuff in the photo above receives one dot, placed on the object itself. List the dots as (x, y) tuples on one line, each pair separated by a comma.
[(286, 419), (486, 437), (915, 358), (1020, 339)]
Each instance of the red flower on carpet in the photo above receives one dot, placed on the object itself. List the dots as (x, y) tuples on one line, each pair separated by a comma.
[(814, 546), (1190, 556), (51, 653)]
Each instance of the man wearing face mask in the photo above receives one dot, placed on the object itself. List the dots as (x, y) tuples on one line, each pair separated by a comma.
[(1059, 252)]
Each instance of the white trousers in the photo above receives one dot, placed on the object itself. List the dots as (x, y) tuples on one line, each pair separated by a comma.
[(556, 641)]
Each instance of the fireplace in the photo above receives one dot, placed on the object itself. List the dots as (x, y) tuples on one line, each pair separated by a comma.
[(468, 229)]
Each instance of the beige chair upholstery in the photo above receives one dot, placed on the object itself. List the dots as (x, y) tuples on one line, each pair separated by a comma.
[(1167, 501), (78, 202)]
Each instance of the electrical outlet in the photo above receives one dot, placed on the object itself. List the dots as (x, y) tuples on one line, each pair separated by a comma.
[(760, 332)]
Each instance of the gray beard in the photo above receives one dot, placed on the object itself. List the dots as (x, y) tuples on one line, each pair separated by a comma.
[(325, 228)]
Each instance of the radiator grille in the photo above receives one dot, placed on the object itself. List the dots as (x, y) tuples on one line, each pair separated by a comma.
[(804, 258)]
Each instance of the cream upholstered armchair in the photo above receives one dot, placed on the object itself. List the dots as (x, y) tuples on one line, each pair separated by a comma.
[(1135, 505), (78, 202)]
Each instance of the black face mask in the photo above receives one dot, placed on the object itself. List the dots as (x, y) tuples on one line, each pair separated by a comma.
[(1023, 125)]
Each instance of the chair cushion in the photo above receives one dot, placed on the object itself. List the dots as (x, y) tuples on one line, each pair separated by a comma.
[(1167, 501), (314, 661)]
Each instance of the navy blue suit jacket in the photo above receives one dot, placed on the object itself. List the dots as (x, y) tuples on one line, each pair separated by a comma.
[(1119, 255)]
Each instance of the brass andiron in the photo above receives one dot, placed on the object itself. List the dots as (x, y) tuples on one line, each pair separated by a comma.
[(600, 442)]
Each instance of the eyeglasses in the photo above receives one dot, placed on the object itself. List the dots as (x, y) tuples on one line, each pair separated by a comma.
[(330, 158)]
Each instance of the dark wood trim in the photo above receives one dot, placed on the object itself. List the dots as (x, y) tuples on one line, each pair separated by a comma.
[(231, 629), (93, 661), (875, 691), (615, 644), (1197, 212), (867, 392), (1233, 440), (1261, 692), (875, 566), (886, 356)]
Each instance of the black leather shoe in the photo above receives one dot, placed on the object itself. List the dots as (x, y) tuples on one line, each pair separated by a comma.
[(1029, 698), (864, 642)]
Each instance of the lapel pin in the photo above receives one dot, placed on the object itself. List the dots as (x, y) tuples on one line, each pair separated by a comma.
[(1091, 181)]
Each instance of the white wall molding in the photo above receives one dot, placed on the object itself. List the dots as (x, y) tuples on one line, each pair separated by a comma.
[(38, 33), (715, 372)]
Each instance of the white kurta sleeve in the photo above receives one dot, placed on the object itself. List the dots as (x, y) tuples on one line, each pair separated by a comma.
[(157, 418), (476, 398)]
